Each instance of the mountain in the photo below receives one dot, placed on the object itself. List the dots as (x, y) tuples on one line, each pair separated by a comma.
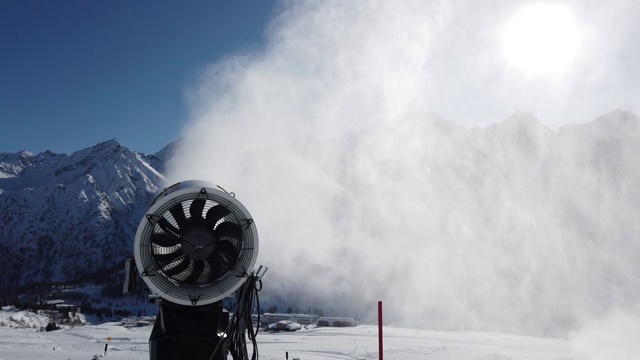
[(508, 227), (66, 216)]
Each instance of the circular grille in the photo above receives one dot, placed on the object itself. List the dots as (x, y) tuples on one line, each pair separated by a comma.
[(196, 244)]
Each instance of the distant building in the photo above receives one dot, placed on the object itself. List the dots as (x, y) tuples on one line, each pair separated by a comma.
[(337, 322), (302, 319), (306, 319)]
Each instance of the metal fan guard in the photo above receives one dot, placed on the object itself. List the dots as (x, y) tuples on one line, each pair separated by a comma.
[(200, 293)]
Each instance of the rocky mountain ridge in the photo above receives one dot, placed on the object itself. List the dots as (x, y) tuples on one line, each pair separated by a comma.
[(64, 216)]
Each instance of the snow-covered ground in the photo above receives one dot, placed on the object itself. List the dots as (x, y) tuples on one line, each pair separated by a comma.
[(11, 317), (314, 344), (614, 338), (129, 343)]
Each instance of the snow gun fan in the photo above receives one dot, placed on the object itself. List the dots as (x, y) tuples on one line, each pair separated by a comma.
[(195, 246)]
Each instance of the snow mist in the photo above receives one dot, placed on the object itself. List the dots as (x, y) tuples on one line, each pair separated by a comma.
[(359, 195)]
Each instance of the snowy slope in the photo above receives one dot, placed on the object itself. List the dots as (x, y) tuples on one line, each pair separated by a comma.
[(598, 342), (65, 216), (20, 319), (82, 343)]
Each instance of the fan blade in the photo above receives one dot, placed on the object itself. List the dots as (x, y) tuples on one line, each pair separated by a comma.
[(198, 268), (166, 226), (168, 258), (181, 219), (215, 267), (227, 253), (196, 208), (228, 230), (182, 266), (165, 239), (222, 260), (215, 214)]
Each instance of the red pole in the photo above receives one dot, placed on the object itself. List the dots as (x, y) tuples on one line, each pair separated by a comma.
[(380, 329)]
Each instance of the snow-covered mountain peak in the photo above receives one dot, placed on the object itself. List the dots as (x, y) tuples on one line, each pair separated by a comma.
[(83, 208), (524, 121), (12, 164), (616, 123)]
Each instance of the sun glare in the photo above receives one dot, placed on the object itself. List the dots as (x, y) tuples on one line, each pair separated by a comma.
[(541, 38)]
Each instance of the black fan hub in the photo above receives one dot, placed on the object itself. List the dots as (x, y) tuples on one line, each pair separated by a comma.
[(198, 243)]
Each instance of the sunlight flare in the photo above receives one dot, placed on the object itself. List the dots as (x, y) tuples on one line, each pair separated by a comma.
[(541, 38)]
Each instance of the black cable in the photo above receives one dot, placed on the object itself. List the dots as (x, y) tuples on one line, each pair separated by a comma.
[(241, 322)]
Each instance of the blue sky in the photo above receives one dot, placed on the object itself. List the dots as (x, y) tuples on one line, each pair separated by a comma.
[(74, 73)]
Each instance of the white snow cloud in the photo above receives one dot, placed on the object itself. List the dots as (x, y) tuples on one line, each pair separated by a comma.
[(357, 200), (615, 335)]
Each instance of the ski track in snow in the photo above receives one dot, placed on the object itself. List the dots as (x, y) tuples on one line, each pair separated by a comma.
[(359, 343)]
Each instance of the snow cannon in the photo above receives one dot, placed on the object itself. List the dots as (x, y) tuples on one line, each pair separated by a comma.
[(196, 245)]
